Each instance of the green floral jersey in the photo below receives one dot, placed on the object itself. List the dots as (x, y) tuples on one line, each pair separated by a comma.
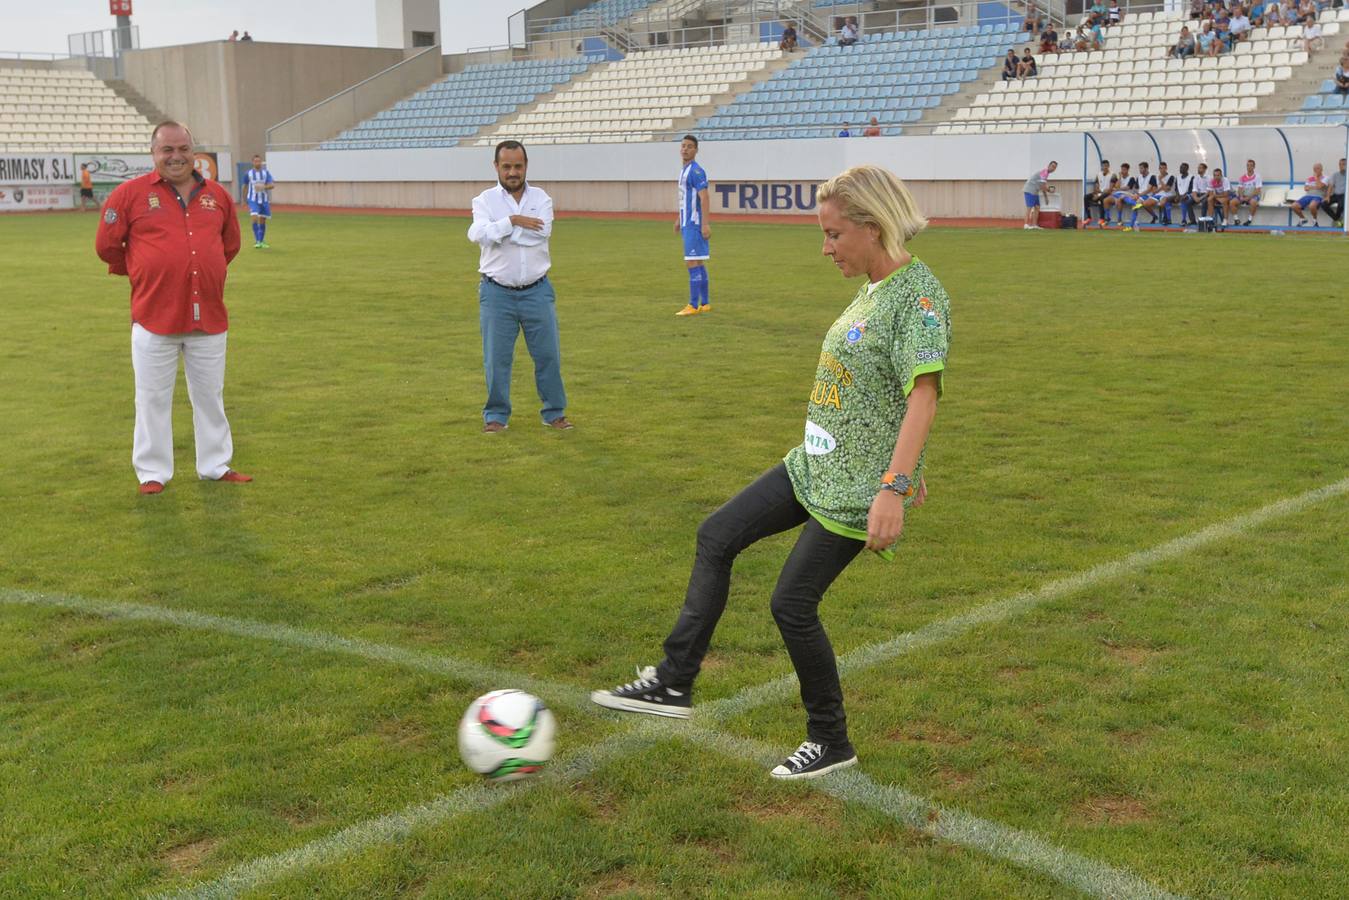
[(871, 356)]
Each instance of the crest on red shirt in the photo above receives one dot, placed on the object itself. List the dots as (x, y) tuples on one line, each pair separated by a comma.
[(154, 201), (208, 202)]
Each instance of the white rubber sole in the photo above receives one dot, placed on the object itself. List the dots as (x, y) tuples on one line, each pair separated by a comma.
[(624, 704), (816, 773)]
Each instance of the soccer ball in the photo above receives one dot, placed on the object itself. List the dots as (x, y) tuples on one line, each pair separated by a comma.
[(507, 735)]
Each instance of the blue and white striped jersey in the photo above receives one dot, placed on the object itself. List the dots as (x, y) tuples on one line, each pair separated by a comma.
[(691, 180), (255, 178)]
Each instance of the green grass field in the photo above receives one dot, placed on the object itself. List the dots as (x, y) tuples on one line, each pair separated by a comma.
[(254, 689)]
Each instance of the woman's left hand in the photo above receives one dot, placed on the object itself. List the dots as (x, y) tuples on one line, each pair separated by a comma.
[(885, 520)]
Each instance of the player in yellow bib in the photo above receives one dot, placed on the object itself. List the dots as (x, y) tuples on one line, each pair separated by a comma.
[(849, 482)]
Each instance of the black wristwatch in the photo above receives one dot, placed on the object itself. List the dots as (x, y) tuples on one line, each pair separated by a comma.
[(900, 484)]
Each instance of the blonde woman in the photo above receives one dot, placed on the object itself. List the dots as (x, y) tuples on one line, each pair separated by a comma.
[(848, 483)]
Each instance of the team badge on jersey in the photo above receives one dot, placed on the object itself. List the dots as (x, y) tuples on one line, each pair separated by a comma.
[(110, 216), (154, 201), (856, 330), (208, 202), (929, 311)]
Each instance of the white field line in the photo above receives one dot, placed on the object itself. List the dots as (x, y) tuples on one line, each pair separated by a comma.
[(870, 655), (954, 826), (987, 837), (388, 829), (458, 670)]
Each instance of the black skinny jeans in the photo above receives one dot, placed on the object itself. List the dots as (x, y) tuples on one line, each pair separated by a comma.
[(767, 507)]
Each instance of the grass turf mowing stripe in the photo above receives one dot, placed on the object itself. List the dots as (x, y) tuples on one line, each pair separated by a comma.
[(863, 658), (952, 825), (470, 673), (959, 827)]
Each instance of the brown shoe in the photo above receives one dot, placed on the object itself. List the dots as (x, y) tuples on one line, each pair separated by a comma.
[(236, 477), (494, 427), (560, 423)]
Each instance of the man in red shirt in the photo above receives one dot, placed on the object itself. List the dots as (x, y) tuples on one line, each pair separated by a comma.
[(174, 232)]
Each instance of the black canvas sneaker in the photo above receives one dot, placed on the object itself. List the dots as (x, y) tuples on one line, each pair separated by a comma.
[(646, 695), (812, 760)]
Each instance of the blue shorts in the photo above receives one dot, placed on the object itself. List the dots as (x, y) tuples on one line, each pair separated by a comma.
[(1031, 199), (1306, 200), (260, 208), (695, 245), (1121, 195)]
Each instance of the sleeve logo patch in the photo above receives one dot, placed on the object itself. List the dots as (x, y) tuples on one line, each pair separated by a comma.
[(818, 441), (110, 216), (929, 311), (856, 330)]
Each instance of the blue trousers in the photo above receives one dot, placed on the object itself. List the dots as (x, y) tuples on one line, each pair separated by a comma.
[(503, 314)]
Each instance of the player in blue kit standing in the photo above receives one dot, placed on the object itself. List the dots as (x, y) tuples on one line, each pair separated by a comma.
[(260, 183), (693, 226)]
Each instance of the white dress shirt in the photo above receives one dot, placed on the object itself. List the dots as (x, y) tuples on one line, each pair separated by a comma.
[(511, 255)]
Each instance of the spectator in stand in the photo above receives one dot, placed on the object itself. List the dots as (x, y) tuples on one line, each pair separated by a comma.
[(1257, 14), (1307, 8), (1219, 192), (1097, 13), (847, 35), (1049, 41), (873, 128), (1197, 9), (1342, 76), (1208, 42), (246, 37), (1009, 66), (1288, 13), (1032, 22), (1113, 15), (234, 36), (1099, 195), (1184, 45), (1068, 43), (1225, 38), (1097, 37), (1249, 190), (1185, 183), (1026, 67), (1313, 195), (1240, 26), (846, 130), (1334, 205), (788, 41), (1311, 34)]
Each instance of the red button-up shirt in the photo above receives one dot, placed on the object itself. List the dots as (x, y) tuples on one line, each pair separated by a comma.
[(175, 249)]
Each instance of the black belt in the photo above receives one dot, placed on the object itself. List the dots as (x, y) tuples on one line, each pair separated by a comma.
[(511, 287)]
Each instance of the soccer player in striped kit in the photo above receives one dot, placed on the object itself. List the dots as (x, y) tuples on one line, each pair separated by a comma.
[(692, 224), (260, 183)]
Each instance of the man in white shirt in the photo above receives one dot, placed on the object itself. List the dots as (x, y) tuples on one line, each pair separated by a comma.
[(1240, 26), (1185, 187), (512, 221), (1249, 189)]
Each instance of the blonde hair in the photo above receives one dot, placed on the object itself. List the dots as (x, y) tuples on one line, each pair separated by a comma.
[(870, 195)]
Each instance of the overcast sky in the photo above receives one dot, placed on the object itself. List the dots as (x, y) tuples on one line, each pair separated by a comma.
[(42, 26)]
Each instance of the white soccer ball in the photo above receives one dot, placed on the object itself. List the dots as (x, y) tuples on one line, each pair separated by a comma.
[(507, 735)]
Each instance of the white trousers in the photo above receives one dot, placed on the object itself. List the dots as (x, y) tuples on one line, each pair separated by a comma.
[(154, 358)]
